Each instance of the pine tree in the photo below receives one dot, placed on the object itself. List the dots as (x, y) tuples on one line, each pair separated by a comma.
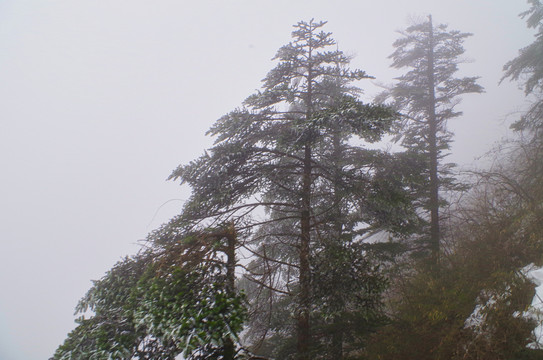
[(472, 311), (427, 96), (287, 152)]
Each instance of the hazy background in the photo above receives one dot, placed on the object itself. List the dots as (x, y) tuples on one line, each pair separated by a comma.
[(101, 100)]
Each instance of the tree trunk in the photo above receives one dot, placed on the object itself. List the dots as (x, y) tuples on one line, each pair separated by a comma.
[(304, 335), (338, 333), (433, 152), (229, 346)]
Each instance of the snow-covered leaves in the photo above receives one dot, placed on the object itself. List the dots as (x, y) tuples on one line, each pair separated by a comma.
[(170, 299)]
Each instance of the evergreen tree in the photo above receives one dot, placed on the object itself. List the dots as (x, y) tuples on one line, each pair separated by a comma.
[(288, 152), (427, 96), (477, 308)]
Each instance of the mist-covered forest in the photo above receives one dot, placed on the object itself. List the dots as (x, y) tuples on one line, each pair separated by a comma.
[(304, 239)]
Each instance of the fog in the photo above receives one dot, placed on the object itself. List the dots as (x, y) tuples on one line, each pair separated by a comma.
[(101, 100)]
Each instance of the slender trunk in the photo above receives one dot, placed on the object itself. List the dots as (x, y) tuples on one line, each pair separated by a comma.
[(229, 346), (337, 329), (304, 335), (433, 152)]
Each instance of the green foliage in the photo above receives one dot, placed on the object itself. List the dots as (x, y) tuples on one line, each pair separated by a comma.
[(111, 332), (347, 293), (171, 299), (345, 115), (191, 309)]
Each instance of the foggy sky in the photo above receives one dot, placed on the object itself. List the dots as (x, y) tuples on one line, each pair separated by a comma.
[(101, 100)]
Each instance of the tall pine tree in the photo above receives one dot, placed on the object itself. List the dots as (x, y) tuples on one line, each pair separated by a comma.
[(287, 152), (427, 96)]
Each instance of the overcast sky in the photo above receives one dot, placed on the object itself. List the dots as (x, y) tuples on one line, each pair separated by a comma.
[(101, 100)]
